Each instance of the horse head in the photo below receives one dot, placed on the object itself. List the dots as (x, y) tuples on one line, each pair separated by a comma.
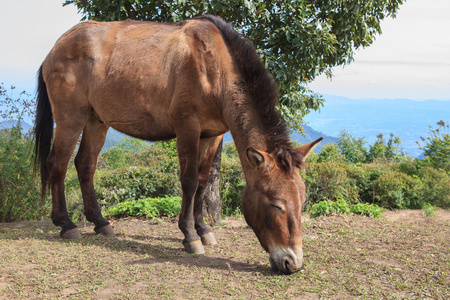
[(272, 206)]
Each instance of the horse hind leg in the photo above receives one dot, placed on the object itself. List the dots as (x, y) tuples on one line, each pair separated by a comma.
[(94, 134), (64, 143)]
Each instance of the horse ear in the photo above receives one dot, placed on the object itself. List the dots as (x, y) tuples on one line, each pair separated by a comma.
[(255, 157), (306, 149)]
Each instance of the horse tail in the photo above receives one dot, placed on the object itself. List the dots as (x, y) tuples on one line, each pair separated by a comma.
[(43, 132)]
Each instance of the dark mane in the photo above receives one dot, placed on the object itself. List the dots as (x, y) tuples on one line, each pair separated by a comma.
[(263, 93)]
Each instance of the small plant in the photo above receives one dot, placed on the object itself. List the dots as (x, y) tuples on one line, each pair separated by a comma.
[(148, 207), (366, 209), (327, 207), (428, 210)]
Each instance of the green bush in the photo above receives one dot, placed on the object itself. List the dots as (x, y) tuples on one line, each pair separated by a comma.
[(437, 147), (327, 207), (119, 155), (428, 210), (366, 209), (397, 190), (330, 153), (232, 184), (147, 207), (435, 186), (19, 190), (147, 171), (133, 183), (329, 181)]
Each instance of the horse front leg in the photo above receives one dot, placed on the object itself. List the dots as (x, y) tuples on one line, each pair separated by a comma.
[(188, 145), (208, 148)]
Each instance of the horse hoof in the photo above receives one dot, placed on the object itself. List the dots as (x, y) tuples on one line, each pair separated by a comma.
[(194, 247), (208, 239), (105, 230), (72, 234)]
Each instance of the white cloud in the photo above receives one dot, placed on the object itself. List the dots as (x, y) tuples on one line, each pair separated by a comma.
[(29, 30), (410, 59)]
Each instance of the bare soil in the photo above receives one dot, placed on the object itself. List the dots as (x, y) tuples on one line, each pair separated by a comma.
[(403, 256)]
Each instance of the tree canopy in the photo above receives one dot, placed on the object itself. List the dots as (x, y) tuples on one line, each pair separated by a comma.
[(297, 40)]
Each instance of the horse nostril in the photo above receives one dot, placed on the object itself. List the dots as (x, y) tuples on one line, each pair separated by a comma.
[(288, 265)]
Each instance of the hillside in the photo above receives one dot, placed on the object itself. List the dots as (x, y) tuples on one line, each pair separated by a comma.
[(7, 124), (367, 118)]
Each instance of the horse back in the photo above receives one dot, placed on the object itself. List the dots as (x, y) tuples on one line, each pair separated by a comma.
[(143, 77)]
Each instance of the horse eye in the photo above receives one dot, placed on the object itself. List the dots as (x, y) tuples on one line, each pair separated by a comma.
[(276, 206)]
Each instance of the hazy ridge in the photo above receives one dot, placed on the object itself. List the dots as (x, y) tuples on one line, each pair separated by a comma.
[(366, 118)]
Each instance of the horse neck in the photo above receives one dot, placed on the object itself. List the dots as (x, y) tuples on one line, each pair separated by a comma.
[(246, 127)]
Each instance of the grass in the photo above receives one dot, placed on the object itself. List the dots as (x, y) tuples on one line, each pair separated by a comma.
[(345, 258)]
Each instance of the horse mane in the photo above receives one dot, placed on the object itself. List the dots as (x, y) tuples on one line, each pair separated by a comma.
[(263, 92)]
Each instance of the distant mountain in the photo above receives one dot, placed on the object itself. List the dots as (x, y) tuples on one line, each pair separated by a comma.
[(367, 118), (114, 137), (312, 135), (7, 124), (309, 136)]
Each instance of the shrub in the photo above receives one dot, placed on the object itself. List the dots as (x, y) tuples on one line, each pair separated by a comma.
[(19, 190), (330, 153), (149, 171), (435, 186), (437, 146), (328, 207), (428, 210), (397, 190), (133, 183), (328, 181), (366, 209), (353, 149), (232, 185), (118, 156), (147, 207)]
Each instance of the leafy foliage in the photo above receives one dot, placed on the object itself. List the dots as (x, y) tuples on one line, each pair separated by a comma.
[(117, 156), (327, 207), (232, 181), (355, 151), (148, 207), (297, 40), (18, 197), (437, 146)]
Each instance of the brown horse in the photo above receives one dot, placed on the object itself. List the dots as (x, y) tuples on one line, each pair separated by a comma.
[(192, 80)]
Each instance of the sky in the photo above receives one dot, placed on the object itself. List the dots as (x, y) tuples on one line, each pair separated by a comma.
[(409, 60)]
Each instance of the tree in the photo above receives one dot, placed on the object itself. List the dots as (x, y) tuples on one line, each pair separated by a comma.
[(437, 146), (389, 151), (353, 149), (297, 40)]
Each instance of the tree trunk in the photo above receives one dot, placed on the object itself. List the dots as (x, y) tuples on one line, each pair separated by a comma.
[(211, 199)]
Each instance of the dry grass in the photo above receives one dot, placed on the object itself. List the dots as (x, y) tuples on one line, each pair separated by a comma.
[(405, 256)]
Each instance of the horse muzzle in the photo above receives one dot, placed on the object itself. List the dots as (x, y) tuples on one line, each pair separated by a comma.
[(286, 261)]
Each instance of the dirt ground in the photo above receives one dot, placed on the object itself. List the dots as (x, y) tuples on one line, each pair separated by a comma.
[(403, 256)]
